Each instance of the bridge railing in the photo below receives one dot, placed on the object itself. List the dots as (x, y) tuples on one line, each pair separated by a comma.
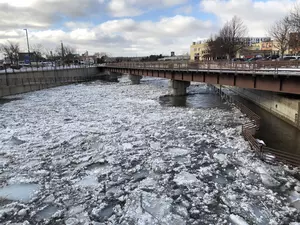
[(272, 67)]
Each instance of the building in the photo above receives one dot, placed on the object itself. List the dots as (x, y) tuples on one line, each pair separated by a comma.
[(271, 47), (199, 51), (249, 41), (174, 57)]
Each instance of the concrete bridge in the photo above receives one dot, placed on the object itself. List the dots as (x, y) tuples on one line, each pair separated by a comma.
[(276, 76)]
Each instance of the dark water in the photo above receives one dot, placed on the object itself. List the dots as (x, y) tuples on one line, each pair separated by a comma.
[(273, 131), (199, 100), (6, 100)]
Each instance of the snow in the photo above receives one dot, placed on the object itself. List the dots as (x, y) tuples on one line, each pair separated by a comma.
[(109, 153)]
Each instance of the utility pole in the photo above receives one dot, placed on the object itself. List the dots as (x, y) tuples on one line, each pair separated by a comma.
[(62, 53), (28, 46)]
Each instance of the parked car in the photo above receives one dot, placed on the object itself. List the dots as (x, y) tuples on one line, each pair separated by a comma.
[(254, 59), (15, 66), (290, 58), (274, 57), (238, 60)]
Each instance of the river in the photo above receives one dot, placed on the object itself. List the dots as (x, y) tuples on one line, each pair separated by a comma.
[(115, 153)]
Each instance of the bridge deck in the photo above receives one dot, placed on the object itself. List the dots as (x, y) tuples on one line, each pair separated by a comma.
[(273, 77)]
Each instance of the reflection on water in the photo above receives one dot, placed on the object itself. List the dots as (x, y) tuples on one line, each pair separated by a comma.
[(275, 132), (200, 100)]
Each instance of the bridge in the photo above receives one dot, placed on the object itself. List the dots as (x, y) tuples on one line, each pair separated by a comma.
[(276, 76)]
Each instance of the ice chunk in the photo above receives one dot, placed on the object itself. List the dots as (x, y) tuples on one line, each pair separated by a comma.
[(220, 157), (178, 151), (47, 212), (19, 192), (88, 181), (237, 220), (127, 146), (185, 178), (266, 178)]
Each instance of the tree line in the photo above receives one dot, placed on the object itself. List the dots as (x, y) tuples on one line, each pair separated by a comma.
[(11, 51), (232, 37)]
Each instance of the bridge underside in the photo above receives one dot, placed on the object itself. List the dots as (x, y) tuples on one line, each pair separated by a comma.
[(275, 83)]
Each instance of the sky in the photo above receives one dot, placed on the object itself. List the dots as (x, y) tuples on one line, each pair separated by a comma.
[(130, 27)]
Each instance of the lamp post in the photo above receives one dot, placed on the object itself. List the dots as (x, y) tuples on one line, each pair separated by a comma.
[(28, 46), (62, 53)]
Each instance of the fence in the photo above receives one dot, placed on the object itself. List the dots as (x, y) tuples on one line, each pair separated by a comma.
[(249, 130), (7, 70)]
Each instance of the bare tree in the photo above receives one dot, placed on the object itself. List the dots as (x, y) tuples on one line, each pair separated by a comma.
[(280, 31), (37, 53), (232, 36), (66, 53), (294, 18), (215, 48), (11, 50), (294, 21)]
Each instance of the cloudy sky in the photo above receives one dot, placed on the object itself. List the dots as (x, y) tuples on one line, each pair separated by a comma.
[(130, 27)]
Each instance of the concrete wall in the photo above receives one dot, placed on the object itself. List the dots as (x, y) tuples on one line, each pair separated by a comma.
[(16, 83), (285, 108)]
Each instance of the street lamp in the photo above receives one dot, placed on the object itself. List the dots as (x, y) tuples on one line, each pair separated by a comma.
[(28, 46)]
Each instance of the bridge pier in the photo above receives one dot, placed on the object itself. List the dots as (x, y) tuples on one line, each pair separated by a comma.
[(178, 87), (113, 77), (135, 79)]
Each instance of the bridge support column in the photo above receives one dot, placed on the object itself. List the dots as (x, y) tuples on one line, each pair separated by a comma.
[(135, 79), (113, 77), (298, 116), (178, 87)]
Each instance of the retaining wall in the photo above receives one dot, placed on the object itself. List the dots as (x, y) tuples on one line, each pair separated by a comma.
[(285, 108), (21, 82)]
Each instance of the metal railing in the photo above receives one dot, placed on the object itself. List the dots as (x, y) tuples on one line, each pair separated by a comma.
[(267, 67), (249, 130), (8, 70)]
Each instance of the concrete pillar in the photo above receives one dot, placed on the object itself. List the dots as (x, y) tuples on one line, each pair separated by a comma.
[(113, 77), (135, 79), (298, 116), (178, 87)]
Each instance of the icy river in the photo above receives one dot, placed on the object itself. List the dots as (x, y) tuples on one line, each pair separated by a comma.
[(114, 153)]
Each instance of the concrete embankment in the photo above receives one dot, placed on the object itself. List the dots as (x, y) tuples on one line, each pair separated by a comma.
[(21, 82), (284, 107)]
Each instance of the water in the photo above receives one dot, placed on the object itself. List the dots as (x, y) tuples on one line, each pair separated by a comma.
[(275, 132), (19, 192), (47, 212), (199, 100), (8, 99)]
